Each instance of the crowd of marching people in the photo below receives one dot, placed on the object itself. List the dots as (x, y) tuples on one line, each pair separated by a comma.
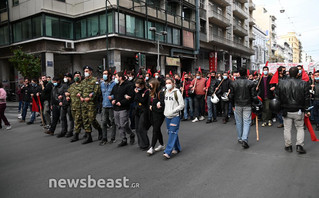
[(131, 103)]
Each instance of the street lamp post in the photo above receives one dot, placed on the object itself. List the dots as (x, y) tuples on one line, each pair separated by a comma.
[(158, 34)]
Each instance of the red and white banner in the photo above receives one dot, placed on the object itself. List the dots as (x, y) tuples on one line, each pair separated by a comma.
[(212, 61), (307, 66)]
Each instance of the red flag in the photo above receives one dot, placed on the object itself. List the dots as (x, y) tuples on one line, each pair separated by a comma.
[(208, 82), (262, 75), (183, 77), (305, 76), (189, 73), (199, 69), (149, 72), (35, 107), (115, 72), (310, 129), (39, 101), (170, 73), (314, 71), (125, 72), (255, 72), (253, 116), (248, 72), (267, 63), (228, 72), (275, 78), (259, 98)]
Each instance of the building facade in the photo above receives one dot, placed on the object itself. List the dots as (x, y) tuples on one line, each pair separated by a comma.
[(68, 34), (260, 47), (306, 58), (267, 23), (226, 34), (295, 44)]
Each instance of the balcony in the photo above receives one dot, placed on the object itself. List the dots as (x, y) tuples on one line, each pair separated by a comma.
[(3, 15), (239, 30), (252, 21), (220, 40), (252, 6), (252, 36), (239, 12), (223, 3), (273, 25), (218, 19), (242, 1), (242, 47), (189, 2), (202, 13)]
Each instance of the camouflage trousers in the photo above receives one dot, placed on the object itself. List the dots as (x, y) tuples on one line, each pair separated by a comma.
[(89, 117), (77, 116)]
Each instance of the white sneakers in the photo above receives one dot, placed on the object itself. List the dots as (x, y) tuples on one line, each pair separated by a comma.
[(200, 119), (151, 151), (166, 156), (195, 120), (19, 116), (9, 127), (160, 148)]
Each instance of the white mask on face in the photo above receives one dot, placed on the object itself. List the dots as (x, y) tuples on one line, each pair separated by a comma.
[(86, 74), (130, 78), (65, 80), (169, 86)]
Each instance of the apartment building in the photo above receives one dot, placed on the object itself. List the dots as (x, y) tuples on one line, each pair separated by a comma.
[(226, 34), (267, 23), (295, 44), (68, 34), (261, 49)]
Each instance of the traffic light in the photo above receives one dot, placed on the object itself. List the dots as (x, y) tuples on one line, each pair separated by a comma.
[(100, 69), (137, 59)]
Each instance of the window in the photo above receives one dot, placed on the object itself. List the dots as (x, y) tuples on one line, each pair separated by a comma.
[(37, 29), (26, 29), (171, 8), (52, 26), (4, 35), (15, 2), (17, 32), (103, 23), (153, 3), (66, 28), (150, 34), (160, 28), (93, 26), (187, 13), (80, 29), (169, 35), (120, 23), (130, 25), (139, 27), (176, 36)]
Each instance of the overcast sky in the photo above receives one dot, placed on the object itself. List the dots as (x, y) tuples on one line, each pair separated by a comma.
[(301, 16)]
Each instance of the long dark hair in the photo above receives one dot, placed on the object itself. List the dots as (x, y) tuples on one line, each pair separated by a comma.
[(155, 87)]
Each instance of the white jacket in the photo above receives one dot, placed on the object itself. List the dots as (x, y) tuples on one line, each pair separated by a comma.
[(173, 107)]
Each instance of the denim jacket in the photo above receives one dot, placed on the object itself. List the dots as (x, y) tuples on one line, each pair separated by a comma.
[(106, 89)]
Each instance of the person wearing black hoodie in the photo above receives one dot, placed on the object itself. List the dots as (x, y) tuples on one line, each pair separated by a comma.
[(121, 97), (142, 113), (56, 104), (46, 99), (26, 98)]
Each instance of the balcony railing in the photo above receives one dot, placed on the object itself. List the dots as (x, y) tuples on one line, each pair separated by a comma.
[(3, 15), (252, 6), (220, 39), (218, 18), (223, 3), (239, 12), (240, 30), (252, 21)]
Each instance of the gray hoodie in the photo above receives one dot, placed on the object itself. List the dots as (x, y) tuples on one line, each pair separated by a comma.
[(173, 107)]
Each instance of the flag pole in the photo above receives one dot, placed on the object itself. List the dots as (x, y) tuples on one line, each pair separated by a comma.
[(257, 131)]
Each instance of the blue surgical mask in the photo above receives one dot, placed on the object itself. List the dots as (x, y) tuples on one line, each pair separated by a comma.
[(139, 89), (55, 84), (116, 80), (156, 76), (316, 78), (225, 77), (265, 72), (300, 71), (146, 78), (198, 77), (104, 77)]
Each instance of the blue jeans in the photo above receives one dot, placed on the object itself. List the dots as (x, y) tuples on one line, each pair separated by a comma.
[(25, 109), (172, 125), (20, 105), (279, 116), (243, 120), (188, 101), (211, 109)]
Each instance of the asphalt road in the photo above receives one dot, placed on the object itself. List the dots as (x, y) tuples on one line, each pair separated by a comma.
[(211, 164)]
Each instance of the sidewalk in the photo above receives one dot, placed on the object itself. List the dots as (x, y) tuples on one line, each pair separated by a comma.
[(13, 104)]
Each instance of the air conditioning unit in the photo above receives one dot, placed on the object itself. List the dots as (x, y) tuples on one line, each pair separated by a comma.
[(69, 45)]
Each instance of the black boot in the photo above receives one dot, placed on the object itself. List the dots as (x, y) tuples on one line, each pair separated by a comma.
[(75, 137), (88, 139), (100, 134), (300, 149), (85, 136), (69, 134)]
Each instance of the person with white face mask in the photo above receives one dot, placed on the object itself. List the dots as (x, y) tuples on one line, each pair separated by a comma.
[(198, 87), (89, 95), (174, 103), (266, 92)]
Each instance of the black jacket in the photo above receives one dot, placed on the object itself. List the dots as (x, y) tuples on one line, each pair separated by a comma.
[(224, 87), (26, 92), (118, 93), (293, 94), (46, 92), (159, 97), (142, 99), (56, 92), (65, 87), (270, 94), (242, 92), (213, 85)]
